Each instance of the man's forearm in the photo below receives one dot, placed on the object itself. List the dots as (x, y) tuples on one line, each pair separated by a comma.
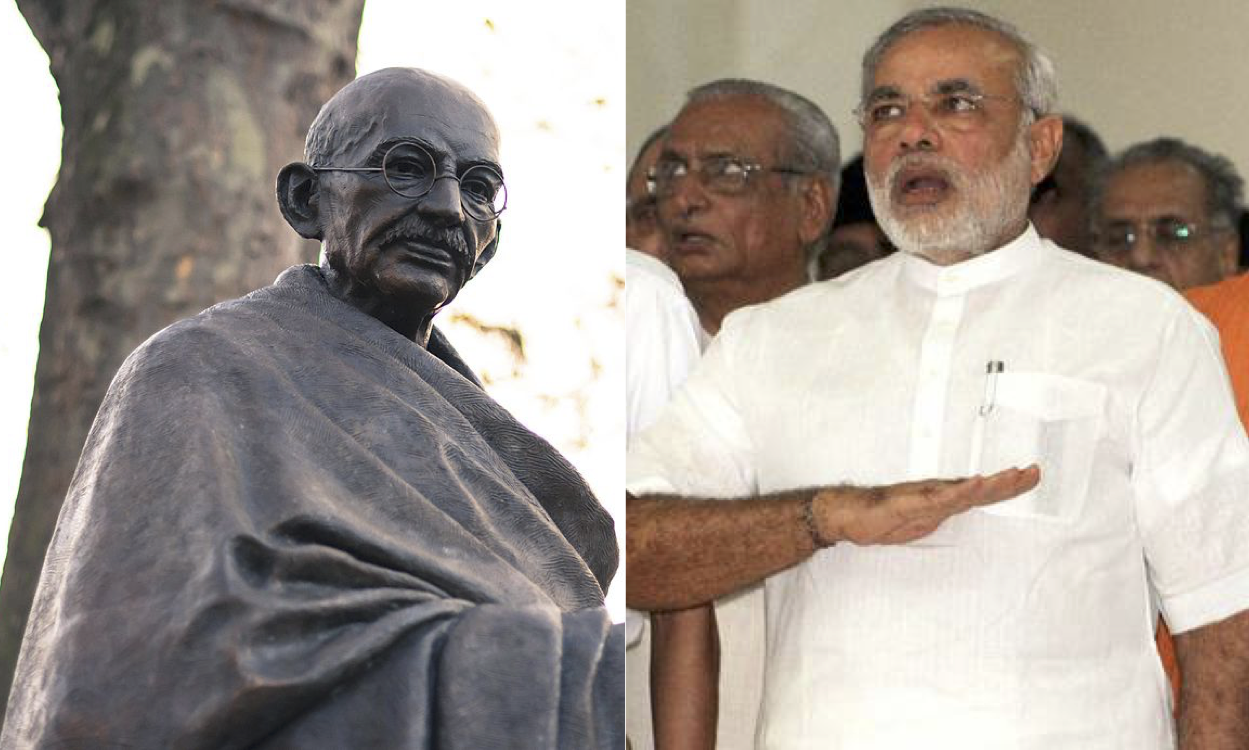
[(1214, 690), (685, 672), (682, 552)]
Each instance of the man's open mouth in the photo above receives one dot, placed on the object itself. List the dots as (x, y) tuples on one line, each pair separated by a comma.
[(691, 239), (921, 186)]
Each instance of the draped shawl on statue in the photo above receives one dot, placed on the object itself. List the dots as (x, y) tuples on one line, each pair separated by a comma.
[(292, 527)]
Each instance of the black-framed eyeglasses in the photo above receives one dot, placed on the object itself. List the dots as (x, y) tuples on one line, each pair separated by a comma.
[(1167, 231), (726, 175), (411, 171)]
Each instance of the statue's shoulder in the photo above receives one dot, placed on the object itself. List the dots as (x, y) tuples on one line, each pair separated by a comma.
[(200, 348), (214, 326), (237, 320)]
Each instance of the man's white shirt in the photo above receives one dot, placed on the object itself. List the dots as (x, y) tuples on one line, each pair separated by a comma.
[(663, 335), (1028, 625), (664, 342)]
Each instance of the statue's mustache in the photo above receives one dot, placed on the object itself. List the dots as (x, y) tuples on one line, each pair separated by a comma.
[(450, 239)]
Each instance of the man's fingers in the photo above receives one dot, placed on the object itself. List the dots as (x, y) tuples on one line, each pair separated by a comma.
[(947, 497), (909, 511), (1002, 486)]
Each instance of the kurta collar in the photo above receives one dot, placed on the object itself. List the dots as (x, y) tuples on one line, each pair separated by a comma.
[(982, 270)]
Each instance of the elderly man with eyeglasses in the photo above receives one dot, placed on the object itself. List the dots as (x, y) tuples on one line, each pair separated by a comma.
[(728, 230), (299, 521), (746, 185), (1025, 624), (1168, 209)]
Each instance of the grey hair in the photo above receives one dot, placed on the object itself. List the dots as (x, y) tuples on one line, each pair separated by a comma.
[(1035, 81), (1224, 187), (813, 141)]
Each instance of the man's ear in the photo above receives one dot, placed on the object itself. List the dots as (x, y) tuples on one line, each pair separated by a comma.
[(297, 198), (1045, 137), (1229, 253), (488, 252), (819, 204)]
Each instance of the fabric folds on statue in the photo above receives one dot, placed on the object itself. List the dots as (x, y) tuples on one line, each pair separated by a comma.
[(293, 528)]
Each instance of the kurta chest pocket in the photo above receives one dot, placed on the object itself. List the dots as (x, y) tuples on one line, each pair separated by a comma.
[(1050, 420)]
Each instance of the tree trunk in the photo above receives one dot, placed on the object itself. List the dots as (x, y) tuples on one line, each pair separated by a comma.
[(178, 115)]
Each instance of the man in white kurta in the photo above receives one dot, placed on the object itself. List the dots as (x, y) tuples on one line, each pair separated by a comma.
[(665, 340), (1028, 624), (1030, 621), (749, 247)]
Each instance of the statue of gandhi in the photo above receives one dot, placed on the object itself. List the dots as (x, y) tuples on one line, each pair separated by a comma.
[(299, 522)]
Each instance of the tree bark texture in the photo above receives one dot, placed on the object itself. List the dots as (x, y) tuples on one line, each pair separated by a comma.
[(177, 115)]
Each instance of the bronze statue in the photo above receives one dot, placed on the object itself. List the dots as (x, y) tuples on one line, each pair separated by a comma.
[(299, 522)]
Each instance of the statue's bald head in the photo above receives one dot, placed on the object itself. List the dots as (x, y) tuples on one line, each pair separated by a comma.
[(355, 119), (399, 256)]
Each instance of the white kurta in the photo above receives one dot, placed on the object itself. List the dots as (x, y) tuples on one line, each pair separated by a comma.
[(664, 338), (1029, 625), (664, 342)]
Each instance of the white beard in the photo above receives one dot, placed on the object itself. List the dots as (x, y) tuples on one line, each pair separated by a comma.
[(986, 206)]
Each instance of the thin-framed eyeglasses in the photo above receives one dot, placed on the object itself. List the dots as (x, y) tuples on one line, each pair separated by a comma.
[(955, 109), (725, 175), (411, 171), (1169, 232)]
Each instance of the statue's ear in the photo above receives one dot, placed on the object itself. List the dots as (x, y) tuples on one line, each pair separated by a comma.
[(297, 198), (490, 250)]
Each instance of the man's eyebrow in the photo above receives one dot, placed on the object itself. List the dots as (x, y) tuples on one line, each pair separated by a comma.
[(948, 86), (955, 86), (883, 92), (701, 155), (668, 155), (710, 154)]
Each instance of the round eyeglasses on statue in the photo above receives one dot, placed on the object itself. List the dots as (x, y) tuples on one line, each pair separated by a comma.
[(411, 171)]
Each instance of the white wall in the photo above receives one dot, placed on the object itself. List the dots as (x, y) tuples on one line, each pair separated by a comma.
[(1133, 69)]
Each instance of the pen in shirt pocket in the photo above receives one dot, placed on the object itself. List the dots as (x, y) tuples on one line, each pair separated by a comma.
[(991, 372), (987, 403)]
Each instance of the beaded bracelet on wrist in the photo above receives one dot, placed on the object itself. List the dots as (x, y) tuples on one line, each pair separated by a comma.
[(808, 519)]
